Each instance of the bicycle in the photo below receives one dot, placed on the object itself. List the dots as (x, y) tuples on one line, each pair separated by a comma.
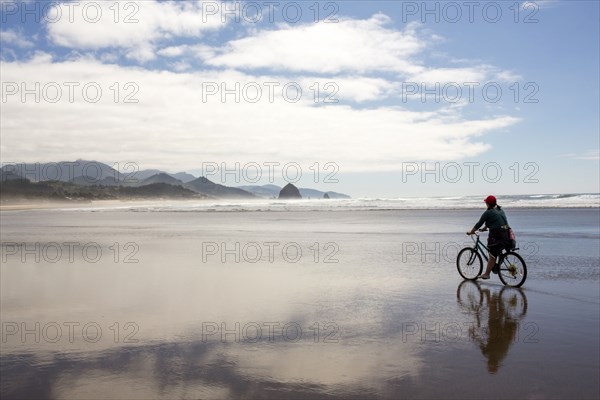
[(510, 266)]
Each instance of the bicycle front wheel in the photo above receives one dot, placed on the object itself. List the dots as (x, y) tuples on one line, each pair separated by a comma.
[(513, 270), (469, 263)]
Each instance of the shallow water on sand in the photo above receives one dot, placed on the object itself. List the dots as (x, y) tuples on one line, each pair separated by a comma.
[(294, 304)]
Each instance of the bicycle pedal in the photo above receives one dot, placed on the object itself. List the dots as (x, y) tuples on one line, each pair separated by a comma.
[(495, 269)]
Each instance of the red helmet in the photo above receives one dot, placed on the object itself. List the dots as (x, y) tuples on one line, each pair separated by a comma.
[(490, 200)]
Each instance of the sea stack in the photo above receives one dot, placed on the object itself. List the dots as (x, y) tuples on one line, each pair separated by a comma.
[(290, 191)]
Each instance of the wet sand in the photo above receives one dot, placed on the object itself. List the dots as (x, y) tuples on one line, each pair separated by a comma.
[(120, 304)]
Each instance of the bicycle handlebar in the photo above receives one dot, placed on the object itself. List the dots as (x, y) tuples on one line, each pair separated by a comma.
[(475, 233)]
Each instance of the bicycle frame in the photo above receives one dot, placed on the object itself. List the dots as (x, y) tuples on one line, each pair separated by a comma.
[(481, 248)]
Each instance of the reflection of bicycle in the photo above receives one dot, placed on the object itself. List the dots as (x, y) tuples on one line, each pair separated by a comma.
[(509, 265), (470, 296)]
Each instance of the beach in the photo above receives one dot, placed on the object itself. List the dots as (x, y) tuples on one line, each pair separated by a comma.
[(289, 302)]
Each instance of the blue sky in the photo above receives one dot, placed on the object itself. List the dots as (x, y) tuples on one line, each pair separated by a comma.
[(374, 58)]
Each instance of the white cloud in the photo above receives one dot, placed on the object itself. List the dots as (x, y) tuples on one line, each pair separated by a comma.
[(136, 27), (15, 38), (180, 66), (590, 155), (537, 4), (347, 46), (172, 128), (593, 155), (350, 47), (442, 75), (173, 51), (196, 51)]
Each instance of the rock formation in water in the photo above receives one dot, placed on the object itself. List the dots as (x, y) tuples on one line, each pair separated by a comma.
[(290, 191)]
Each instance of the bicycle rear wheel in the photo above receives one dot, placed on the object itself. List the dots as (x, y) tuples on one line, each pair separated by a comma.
[(469, 263), (513, 270)]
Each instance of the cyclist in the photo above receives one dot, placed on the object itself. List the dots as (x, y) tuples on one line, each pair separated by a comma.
[(498, 239)]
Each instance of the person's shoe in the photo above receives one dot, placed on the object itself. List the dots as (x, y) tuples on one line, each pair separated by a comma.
[(484, 276), (495, 269)]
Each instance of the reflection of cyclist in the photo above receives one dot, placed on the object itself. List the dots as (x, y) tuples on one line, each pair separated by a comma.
[(502, 331), (497, 315), (498, 239)]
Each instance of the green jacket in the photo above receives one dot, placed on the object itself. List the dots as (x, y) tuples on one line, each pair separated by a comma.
[(492, 218)]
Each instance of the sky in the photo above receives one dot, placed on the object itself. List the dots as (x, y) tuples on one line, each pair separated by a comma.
[(373, 99)]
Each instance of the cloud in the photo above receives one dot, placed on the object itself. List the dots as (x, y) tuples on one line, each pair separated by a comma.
[(537, 4), (347, 46), (173, 127), (136, 27), (593, 155), (367, 48), (15, 38), (196, 51), (441, 75)]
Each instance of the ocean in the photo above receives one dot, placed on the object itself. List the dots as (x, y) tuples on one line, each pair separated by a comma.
[(308, 299), (367, 204)]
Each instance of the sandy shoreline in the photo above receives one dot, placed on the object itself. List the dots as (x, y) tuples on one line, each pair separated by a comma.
[(88, 204), (51, 205)]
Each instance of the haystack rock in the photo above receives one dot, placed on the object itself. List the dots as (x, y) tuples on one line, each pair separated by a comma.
[(326, 196), (290, 191)]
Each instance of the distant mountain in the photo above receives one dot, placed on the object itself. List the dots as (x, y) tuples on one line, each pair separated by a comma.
[(89, 181), (272, 191), (145, 173), (87, 173), (183, 177), (206, 187), (317, 194), (15, 190), (162, 190), (267, 191), (160, 178)]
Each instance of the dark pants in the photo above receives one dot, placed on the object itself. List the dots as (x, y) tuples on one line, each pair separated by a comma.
[(498, 239)]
